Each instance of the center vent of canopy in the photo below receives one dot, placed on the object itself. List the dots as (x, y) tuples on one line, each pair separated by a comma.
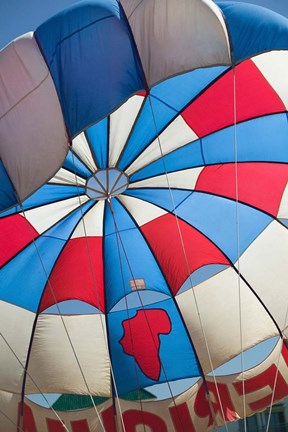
[(106, 183)]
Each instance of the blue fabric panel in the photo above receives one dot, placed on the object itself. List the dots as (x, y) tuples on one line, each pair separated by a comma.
[(173, 346), (145, 131), (254, 29), (92, 59), (98, 140), (178, 91), (201, 274), (136, 251), (260, 139), (137, 299), (161, 197), (167, 99), (45, 195), (73, 164), (8, 197), (284, 221), (23, 279), (205, 212), (188, 156)]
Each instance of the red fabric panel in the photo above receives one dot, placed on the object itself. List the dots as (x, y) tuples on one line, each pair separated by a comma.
[(214, 109), (72, 277), (163, 236), (15, 233), (259, 184)]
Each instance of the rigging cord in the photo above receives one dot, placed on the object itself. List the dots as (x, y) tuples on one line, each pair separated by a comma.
[(144, 311), (61, 317), (12, 421), (277, 371), (33, 381), (37, 86), (238, 242), (193, 291), (105, 334), (274, 385), (127, 310)]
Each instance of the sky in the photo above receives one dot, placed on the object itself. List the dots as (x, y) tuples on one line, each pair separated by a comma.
[(20, 16)]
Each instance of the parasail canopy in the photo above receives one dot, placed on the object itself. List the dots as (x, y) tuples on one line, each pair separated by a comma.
[(144, 174)]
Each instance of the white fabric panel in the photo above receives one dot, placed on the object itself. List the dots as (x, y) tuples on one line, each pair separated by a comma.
[(274, 66), (92, 223), (82, 149), (176, 135), (16, 326), (185, 179), (8, 406), (42, 218), (66, 177), (53, 364), (218, 302), (265, 267), (283, 209), (177, 36), (121, 123), (33, 139), (141, 211)]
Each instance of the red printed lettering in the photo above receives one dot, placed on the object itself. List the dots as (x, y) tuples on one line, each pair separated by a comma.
[(28, 419), (285, 351), (54, 425), (181, 418), (80, 426), (266, 378), (109, 420), (133, 418), (202, 408)]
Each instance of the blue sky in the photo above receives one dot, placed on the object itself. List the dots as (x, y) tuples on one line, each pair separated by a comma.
[(20, 16)]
